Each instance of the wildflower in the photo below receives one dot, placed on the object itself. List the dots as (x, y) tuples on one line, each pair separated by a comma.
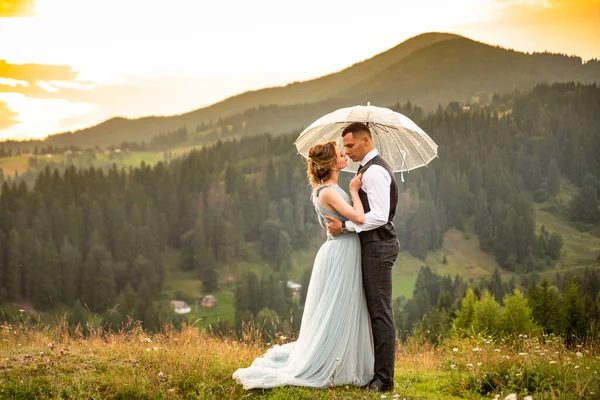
[(528, 398), (578, 354), (478, 380), (147, 348), (155, 348), (476, 349), (522, 354), (512, 396), (577, 366), (453, 366), (51, 346), (479, 364), (497, 350), (383, 396), (161, 375), (455, 349), (552, 362), (469, 365)]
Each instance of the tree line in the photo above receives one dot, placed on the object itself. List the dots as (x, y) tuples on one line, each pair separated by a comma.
[(568, 305), (96, 235)]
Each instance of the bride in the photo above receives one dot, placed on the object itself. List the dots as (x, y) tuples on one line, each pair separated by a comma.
[(335, 345)]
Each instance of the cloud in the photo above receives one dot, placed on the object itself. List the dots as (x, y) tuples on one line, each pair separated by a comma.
[(73, 108), (7, 116), (36, 80)]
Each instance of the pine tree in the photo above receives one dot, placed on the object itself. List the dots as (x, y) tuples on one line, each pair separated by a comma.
[(95, 260), (283, 252), (105, 292), (210, 278), (143, 297), (465, 316), (496, 287), (14, 266), (573, 317), (70, 262), (553, 178), (271, 180), (517, 315), (254, 294), (584, 206), (487, 315), (554, 246)]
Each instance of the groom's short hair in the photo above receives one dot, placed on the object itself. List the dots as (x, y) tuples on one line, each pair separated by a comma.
[(357, 128)]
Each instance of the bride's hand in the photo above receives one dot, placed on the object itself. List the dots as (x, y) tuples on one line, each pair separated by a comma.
[(356, 182)]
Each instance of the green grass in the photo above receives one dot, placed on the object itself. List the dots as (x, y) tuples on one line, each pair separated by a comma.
[(463, 257), (223, 311), (135, 158), (10, 165), (20, 163), (580, 249)]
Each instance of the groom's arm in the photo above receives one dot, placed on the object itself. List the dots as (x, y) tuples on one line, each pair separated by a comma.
[(376, 183)]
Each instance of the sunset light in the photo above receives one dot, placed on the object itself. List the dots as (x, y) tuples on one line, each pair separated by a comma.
[(92, 60)]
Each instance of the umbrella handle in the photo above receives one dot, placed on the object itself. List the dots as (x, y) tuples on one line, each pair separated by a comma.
[(403, 164)]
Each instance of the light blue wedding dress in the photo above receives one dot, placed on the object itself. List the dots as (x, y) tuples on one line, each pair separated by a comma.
[(335, 344)]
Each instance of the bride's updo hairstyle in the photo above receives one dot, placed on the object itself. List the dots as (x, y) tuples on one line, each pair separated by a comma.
[(321, 159)]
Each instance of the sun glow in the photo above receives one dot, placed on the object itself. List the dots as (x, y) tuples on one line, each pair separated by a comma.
[(227, 47)]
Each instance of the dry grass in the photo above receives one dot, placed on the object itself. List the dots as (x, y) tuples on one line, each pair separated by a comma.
[(44, 362)]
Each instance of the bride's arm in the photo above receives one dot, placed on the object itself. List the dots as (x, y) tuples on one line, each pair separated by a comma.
[(331, 198)]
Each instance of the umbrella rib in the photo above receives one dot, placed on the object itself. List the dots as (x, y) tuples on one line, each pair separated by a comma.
[(310, 136), (409, 140)]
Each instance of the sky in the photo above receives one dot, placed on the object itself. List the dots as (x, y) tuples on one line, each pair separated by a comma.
[(69, 64)]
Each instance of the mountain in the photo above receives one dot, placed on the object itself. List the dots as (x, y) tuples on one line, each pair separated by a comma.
[(429, 69)]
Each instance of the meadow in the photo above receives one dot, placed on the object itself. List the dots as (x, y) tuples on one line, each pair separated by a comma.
[(52, 363)]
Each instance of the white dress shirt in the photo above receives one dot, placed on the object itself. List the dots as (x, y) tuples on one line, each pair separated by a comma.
[(376, 182)]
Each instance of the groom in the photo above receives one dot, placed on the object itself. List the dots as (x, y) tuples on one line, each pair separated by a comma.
[(379, 246)]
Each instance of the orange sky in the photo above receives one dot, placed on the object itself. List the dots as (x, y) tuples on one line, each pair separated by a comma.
[(67, 64)]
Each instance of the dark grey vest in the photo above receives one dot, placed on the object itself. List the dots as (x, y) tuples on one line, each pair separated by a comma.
[(387, 231)]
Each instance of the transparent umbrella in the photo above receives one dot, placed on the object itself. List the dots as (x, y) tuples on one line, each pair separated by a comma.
[(398, 139)]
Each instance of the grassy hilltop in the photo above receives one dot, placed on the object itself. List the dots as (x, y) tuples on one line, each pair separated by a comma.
[(45, 363)]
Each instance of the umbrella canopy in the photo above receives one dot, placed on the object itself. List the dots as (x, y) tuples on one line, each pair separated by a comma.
[(398, 139)]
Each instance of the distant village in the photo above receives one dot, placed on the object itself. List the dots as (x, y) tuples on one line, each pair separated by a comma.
[(182, 307)]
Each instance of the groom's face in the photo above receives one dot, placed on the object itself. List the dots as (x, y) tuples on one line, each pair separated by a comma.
[(355, 146)]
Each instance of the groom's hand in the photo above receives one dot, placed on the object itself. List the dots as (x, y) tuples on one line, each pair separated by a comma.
[(334, 226)]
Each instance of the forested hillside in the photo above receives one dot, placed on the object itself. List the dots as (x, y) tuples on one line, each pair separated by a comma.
[(96, 236)]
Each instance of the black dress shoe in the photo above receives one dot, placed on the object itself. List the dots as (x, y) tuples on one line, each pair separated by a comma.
[(377, 386)]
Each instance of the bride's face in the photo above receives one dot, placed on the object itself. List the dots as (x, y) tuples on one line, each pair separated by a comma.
[(340, 162)]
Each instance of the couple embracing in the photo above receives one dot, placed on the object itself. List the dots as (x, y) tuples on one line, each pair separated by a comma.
[(347, 334)]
